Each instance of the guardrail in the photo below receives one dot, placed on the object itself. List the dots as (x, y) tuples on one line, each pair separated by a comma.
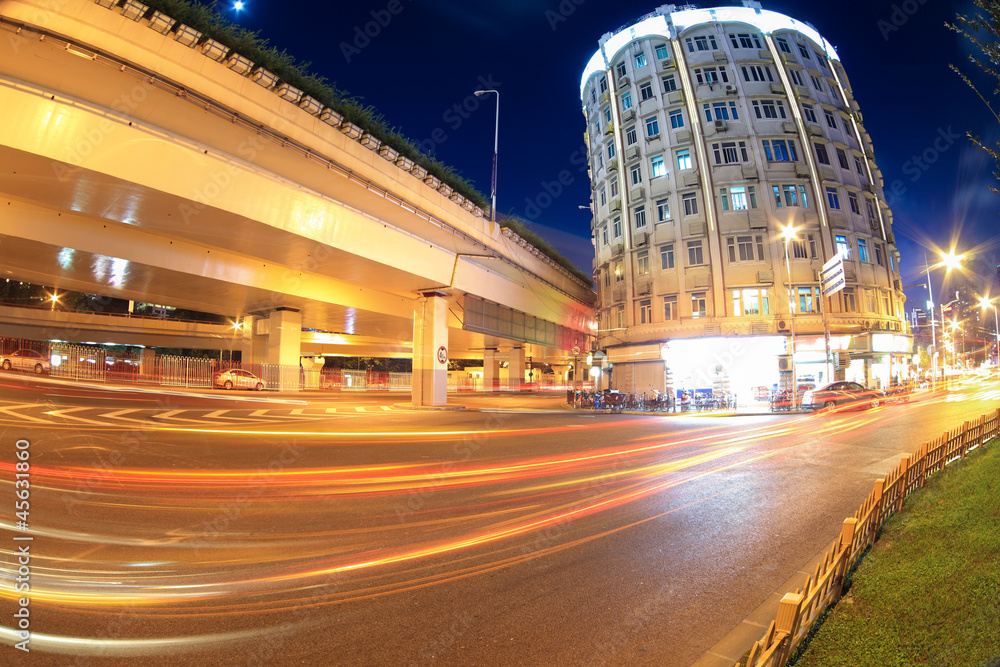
[(798, 611)]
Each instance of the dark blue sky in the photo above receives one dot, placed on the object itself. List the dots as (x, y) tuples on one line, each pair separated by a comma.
[(427, 56)]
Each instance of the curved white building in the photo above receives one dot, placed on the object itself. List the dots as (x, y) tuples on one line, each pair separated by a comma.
[(712, 131)]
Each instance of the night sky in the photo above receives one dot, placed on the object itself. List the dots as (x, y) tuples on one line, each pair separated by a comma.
[(427, 57)]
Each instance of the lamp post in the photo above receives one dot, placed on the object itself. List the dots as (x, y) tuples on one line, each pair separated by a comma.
[(496, 144), (984, 303), (788, 233), (950, 261)]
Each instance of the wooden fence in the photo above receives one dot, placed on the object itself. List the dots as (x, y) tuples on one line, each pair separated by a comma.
[(798, 611)]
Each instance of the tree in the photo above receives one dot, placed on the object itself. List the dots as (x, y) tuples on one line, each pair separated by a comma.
[(983, 30)]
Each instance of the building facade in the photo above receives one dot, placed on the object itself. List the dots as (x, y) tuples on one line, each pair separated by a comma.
[(729, 163)]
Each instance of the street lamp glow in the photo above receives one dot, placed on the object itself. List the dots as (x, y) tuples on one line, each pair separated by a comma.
[(788, 232), (951, 261)]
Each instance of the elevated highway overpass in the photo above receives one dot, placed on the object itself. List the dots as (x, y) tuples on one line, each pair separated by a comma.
[(140, 160)]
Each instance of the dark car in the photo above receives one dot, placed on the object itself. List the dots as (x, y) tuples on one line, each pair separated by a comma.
[(842, 394)]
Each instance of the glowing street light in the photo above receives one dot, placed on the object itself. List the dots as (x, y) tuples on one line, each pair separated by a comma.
[(788, 234), (950, 261), (984, 303), (54, 298)]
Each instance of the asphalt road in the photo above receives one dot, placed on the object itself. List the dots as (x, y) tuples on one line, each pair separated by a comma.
[(217, 528)]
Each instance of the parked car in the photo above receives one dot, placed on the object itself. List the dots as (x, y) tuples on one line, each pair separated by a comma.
[(237, 379), (26, 360), (840, 394)]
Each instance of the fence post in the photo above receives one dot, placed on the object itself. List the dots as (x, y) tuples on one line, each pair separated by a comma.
[(876, 515), (904, 472), (845, 552), (965, 438), (789, 611), (923, 464)]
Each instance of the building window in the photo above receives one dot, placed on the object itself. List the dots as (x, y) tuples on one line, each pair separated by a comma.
[(620, 69), (616, 228), (817, 84), (626, 101), (892, 263), (796, 78), (790, 195), (640, 60), (757, 73), (745, 249), (604, 234), (702, 43), (640, 216), (667, 257), (642, 262), (870, 303), (603, 84), (661, 52), (805, 52), (690, 201), (636, 174), (830, 120), (863, 251), (855, 206), (808, 299), (603, 196), (698, 305), (821, 155), (768, 108), (662, 210), (620, 317), (613, 185), (652, 127), (743, 40), (630, 136), (669, 308), (780, 150), (832, 199), (843, 248), (696, 255), (753, 301), (607, 279), (871, 210), (850, 305), (669, 84), (809, 112), (857, 166), (657, 167), (684, 159), (677, 119), (645, 311), (878, 253), (738, 198), (646, 91), (842, 159), (619, 272), (710, 76), (721, 111), (782, 44), (730, 152)]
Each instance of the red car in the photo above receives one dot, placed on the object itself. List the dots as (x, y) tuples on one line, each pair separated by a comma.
[(841, 394)]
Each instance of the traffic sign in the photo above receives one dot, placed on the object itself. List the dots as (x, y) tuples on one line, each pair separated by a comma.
[(832, 278)]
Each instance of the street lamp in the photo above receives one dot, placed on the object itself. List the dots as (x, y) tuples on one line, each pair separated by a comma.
[(984, 303), (788, 233), (950, 261), (496, 144)]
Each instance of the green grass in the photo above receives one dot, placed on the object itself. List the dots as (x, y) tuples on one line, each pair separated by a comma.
[(928, 593)]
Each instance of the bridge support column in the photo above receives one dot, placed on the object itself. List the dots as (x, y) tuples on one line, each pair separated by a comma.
[(430, 351), (515, 368), (284, 337), (253, 346), (491, 370)]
